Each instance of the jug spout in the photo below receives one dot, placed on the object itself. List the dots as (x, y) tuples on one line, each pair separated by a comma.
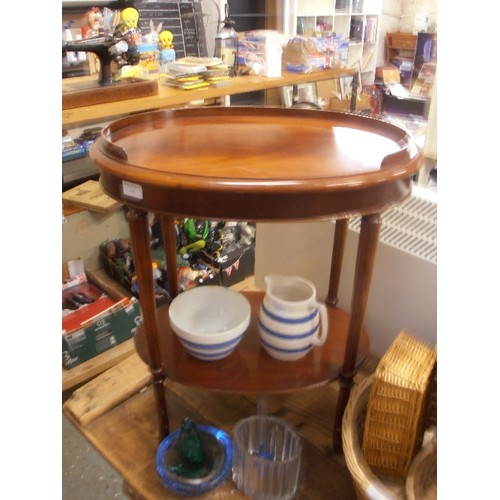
[(277, 280), (268, 279), (274, 279), (285, 288)]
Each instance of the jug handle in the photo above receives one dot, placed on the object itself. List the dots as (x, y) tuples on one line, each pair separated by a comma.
[(323, 331)]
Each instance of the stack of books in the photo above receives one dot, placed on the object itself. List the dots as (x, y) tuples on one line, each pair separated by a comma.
[(196, 72)]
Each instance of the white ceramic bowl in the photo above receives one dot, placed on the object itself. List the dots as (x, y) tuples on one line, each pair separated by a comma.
[(209, 320)]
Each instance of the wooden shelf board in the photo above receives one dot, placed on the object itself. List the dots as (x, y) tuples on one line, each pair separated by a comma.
[(168, 96), (87, 93), (94, 366), (249, 369)]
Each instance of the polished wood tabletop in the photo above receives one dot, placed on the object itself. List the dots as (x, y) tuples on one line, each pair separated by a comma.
[(261, 163)]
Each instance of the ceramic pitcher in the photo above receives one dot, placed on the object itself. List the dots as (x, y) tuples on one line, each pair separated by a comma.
[(291, 320)]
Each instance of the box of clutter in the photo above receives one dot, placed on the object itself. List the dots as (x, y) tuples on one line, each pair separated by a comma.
[(96, 316), (192, 235), (234, 252)]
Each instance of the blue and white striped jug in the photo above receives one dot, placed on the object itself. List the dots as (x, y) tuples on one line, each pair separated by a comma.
[(291, 320)]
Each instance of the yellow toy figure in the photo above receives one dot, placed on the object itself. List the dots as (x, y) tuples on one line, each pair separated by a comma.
[(128, 25), (166, 49), (128, 31), (165, 40), (130, 17)]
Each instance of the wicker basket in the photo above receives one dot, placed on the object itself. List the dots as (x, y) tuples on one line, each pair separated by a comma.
[(421, 483), (398, 407), (366, 484)]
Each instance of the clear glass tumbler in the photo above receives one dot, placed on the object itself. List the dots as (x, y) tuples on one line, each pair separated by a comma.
[(266, 458)]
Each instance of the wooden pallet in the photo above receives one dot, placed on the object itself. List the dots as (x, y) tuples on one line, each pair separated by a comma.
[(116, 412)]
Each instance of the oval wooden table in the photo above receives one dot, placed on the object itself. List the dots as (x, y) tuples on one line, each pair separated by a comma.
[(255, 164)]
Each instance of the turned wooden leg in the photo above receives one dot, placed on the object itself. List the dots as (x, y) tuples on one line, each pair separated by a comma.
[(141, 246), (170, 244), (340, 237), (367, 246)]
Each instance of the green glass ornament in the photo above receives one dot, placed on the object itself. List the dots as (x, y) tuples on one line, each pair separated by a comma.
[(191, 460)]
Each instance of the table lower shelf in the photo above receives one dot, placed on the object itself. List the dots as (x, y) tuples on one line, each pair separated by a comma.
[(249, 369)]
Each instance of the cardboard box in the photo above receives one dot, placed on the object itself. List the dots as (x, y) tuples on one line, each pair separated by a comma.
[(391, 75), (114, 324), (405, 68), (235, 265), (362, 103)]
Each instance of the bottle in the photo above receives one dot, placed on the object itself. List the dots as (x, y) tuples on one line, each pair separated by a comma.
[(81, 56), (68, 37)]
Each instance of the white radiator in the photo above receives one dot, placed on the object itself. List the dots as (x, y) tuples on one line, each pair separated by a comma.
[(403, 292)]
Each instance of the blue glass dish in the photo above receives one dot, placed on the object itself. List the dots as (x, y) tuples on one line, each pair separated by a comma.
[(218, 446)]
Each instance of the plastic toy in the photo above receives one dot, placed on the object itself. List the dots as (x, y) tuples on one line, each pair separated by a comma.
[(196, 229), (166, 48), (189, 277), (164, 57), (94, 22), (153, 37), (130, 17), (196, 246), (165, 40), (127, 27), (127, 30)]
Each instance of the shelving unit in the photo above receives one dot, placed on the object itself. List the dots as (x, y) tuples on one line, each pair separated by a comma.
[(400, 50), (356, 21), (400, 44)]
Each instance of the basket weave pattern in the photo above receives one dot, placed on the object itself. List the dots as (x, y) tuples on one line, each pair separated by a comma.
[(366, 484), (398, 406), (421, 482)]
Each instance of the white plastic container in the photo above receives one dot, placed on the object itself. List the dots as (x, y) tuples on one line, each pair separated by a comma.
[(272, 55), (81, 56), (68, 37)]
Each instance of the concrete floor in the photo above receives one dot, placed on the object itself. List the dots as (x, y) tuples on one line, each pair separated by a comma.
[(85, 474)]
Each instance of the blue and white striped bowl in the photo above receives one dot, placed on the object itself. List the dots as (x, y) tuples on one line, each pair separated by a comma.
[(210, 352), (209, 321)]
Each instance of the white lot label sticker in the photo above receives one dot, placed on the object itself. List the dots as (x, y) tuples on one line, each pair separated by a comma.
[(132, 190)]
